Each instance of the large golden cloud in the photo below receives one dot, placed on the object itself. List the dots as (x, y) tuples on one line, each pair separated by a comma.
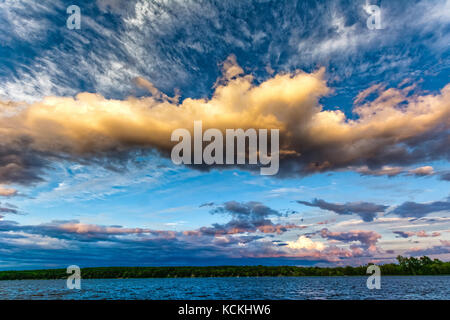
[(394, 128)]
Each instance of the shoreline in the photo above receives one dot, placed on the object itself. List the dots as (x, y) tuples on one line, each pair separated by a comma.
[(231, 277), (406, 267)]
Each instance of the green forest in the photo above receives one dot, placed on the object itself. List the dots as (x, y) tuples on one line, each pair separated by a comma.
[(405, 266)]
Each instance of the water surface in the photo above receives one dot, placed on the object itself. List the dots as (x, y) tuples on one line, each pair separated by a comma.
[(297, 288)]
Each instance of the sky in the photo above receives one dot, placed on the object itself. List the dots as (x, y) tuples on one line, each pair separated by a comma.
[(86, 116)]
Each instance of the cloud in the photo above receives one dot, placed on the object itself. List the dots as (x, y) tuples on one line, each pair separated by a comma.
[(418, 210), (445, 176), (64, 243), (421, 234), (7, 208), (312, 139), (384, 170), (422, 171), (114, 6), (305, 243), (366, 238), (404, 234), (243, 226), (246, 217), (279, 37), (74, 230), (251, 210), (19, 163), (325, 222), (395, 171), (82, 228), (443, 248), (61, 243), (7, 192), (207, 204), (366, 210)]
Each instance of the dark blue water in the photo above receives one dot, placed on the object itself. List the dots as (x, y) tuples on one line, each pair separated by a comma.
[(392, 287)]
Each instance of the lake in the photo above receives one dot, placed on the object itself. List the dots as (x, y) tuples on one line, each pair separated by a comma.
[(297, 288)]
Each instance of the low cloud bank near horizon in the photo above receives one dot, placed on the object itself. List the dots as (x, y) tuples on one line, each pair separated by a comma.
[(60, 241), (250, 234)]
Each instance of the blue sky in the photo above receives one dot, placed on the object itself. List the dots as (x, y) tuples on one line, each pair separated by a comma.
[(363, 189)]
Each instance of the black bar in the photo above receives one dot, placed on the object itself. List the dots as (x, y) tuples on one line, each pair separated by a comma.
[(225, 309)]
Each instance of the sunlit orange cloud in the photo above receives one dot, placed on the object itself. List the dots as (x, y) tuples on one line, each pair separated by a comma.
[(7, 192), (311, 139)]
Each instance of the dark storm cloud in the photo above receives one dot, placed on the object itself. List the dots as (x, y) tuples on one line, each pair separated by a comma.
[(418, 210), (366, 210)]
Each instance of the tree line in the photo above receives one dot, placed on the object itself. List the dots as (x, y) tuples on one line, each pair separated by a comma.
[(405, 266)]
